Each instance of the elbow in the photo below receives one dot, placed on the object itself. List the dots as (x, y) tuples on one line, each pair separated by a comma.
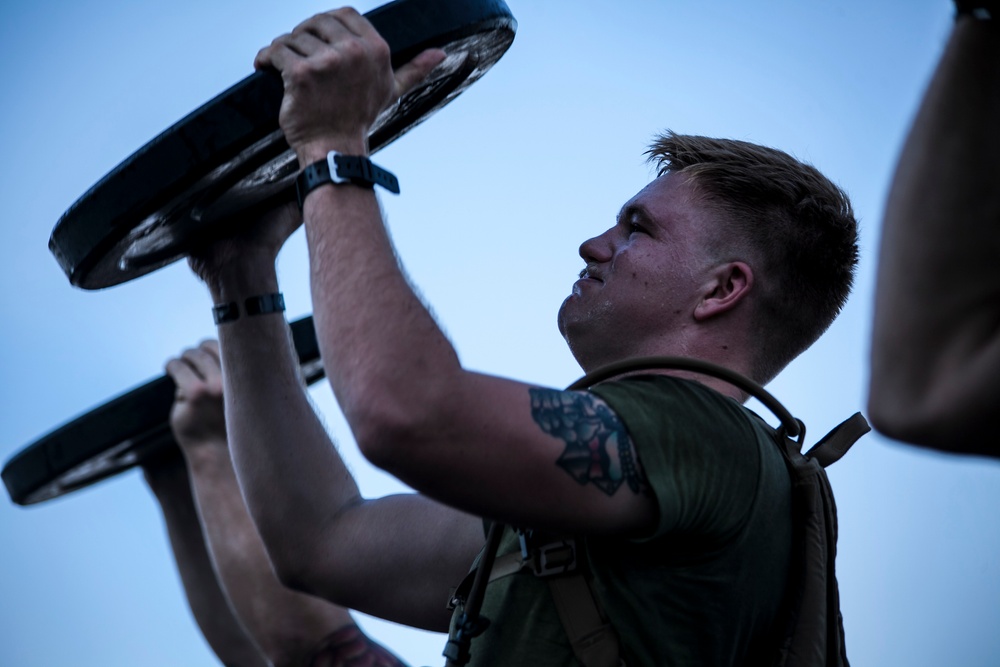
[(394, 413), (883, 411), (294, 576), (295, 569), (928, 420), (387, 443), (390, 431), (898, 414), (316, 562), (301, 565), (914, 428), (897, 401), (892, 423)]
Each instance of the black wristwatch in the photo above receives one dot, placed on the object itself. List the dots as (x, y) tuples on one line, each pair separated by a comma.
[(338, 168)]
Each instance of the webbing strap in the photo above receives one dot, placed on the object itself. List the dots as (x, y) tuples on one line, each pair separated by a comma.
[(594, 641), (591, 636), (791, 425), (503, 566), (836, 443)]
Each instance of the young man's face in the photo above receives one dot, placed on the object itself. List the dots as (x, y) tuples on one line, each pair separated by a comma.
[(644, 277)]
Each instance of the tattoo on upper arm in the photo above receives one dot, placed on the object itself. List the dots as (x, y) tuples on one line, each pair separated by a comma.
[(349, 647), (591, 431)]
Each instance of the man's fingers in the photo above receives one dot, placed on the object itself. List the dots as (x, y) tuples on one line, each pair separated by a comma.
[(278, 55), (183, 375), (354, 22), (304, 43), (263, 58), (329, 27), (212, 347), (408, 76), (205, 365)]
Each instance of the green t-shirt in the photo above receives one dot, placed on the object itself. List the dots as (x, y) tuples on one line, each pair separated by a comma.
[(705, 587)]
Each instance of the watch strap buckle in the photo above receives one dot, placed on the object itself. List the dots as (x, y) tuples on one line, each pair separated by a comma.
[(341, 169)]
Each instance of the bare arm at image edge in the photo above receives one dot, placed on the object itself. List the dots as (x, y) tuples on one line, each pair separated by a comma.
[(936, 339)]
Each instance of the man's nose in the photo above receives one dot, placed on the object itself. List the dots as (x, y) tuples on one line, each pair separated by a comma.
[(597, 249)]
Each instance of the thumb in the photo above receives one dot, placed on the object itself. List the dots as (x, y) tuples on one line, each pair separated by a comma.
[(415, 71)]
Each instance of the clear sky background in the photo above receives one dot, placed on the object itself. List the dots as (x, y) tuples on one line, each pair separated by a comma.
[(499, 189)]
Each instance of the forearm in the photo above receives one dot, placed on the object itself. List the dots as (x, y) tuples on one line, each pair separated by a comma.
[(286, 625), (385, 355), (393, 368), (936, 337), (292, 478), (169, 483)]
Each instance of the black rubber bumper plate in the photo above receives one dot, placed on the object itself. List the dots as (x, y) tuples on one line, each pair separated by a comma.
[(117, 435), (187, 184)]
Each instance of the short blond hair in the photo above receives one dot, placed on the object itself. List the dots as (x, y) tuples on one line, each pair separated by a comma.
[(791, 224)]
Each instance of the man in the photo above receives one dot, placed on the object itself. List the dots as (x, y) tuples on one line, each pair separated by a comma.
[(735, 253), (935, 376), (247, 617)]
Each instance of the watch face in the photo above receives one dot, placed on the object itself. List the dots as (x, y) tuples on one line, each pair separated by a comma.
[(189, 184)]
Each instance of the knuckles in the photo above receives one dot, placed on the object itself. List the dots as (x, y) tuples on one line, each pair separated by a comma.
[(300, 72), (344, 56), (346, 14), (380, 49), (352, 49)]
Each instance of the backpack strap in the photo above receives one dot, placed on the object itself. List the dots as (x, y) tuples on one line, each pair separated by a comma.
[(561, 562), (557, 560), (594, 641), (812, 629), (792, 426), (836, 443)]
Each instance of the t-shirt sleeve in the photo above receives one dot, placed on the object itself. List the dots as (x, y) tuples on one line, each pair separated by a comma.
[(699, 452)]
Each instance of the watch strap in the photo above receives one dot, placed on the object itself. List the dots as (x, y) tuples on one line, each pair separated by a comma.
[(338, 168), (225, 312), (261, 304), (264, 304)]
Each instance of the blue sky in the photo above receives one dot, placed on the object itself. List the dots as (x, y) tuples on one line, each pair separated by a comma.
[(499, 189)]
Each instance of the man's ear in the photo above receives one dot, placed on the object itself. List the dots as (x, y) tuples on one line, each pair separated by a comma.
[(728, 285)]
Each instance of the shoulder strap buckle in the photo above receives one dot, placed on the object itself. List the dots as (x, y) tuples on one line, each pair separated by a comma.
[(547, 556)]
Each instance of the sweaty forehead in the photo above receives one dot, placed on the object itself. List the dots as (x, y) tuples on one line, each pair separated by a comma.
[(667, 201)]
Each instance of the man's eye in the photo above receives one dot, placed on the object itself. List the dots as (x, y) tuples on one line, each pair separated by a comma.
[(635, 229)]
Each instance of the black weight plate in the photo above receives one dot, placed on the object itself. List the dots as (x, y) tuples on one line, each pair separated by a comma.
[(184, 186), (117, 435)]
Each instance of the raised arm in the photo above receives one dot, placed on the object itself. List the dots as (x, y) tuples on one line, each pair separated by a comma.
[(936, 342), (291, 628), (167, 478), (394, 557), (487, 445)]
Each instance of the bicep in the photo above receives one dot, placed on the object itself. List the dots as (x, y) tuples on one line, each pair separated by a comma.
[(545, 458)]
